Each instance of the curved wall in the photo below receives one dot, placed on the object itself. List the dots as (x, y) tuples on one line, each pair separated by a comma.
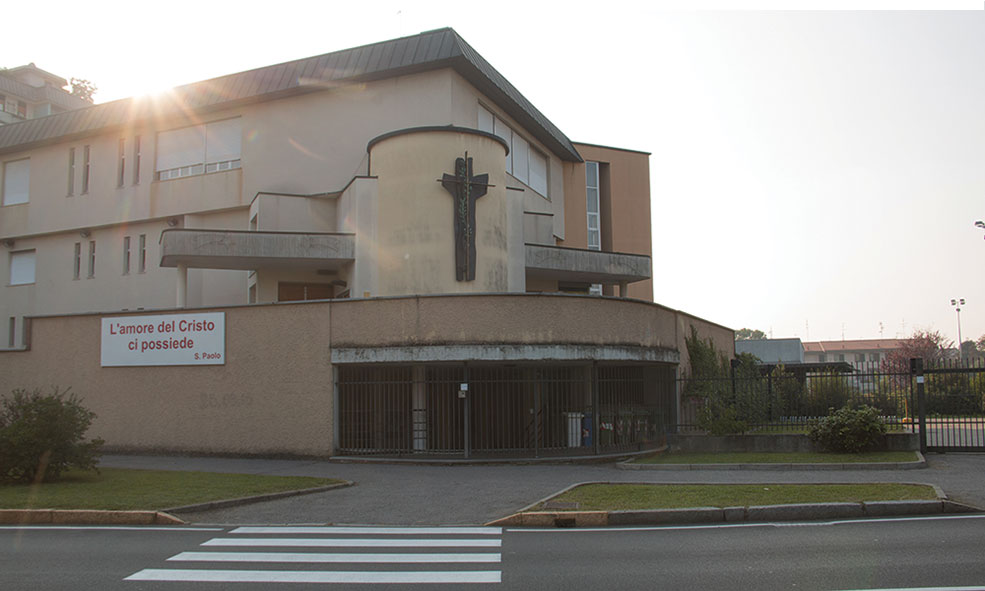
[(274, 395), (416, 215)]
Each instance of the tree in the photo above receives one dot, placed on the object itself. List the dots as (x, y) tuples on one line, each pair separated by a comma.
[(931, 346), (83, 89), (970, 350), (749, 334)]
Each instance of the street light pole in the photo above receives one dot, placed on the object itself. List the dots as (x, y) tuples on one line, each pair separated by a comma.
[(957, 306)]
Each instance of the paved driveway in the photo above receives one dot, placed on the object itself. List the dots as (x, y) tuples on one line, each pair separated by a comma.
[(398, 494)]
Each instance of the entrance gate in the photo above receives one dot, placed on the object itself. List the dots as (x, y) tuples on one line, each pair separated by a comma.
[(950, 406), (455, 410)]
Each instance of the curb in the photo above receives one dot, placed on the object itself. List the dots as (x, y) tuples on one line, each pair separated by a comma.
[(752, 514), (257, 498), (164, 517), (920, 463), (85, 517)]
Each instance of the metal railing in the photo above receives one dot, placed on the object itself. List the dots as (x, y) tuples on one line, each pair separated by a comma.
[(503, 410)]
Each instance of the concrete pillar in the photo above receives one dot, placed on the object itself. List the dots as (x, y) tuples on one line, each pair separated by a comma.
[(623, 289), (181, 292)]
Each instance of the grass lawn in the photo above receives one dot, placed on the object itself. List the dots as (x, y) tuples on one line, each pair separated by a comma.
[(122, 489), (777, 458), (614, 497)]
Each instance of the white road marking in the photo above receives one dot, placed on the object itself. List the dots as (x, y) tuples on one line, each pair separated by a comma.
[(314, 557), (355, 542), (408, 531), (273, 576)]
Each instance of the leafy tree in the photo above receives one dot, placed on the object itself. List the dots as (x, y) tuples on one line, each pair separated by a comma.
[(969, 350), (749, 334), (83, 89), (931, 346)]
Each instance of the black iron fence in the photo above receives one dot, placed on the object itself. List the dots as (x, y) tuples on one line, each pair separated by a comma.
[(503, 410), (776, 399)]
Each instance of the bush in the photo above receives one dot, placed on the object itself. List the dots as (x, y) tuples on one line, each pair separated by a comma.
[(719, 419), (41, 435), (828, 391), (848, 430)]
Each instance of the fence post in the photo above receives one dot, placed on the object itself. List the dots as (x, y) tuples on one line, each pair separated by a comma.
[(596, 409), (916, 369), (464, 393)]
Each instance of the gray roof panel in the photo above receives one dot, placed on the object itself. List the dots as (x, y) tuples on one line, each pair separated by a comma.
[(430, 50)]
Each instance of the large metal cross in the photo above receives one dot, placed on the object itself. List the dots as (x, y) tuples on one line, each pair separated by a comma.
[(465, 189)]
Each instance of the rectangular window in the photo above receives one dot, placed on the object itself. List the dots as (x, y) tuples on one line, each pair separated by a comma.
[(822, 358), (11, 331), (77, 261), (142, 254), (71, 171), (873, 357), (92, 258), (3, 103), (16, 181), (592, 205), (524, 162), (136, 160), (859, 357), (126, 255), (22, 109), (121, 162), (212, 147), (85, 169), (22, 267)]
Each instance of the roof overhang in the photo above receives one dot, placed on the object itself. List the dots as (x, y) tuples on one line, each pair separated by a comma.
[(233, 249), (588, 266)]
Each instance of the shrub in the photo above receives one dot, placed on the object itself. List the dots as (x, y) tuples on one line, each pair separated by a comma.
[(720, 419), (827, 391), (848, 430), (41, 435)]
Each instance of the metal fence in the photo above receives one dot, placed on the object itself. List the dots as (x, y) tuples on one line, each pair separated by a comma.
[(503, 410), (782, 400)]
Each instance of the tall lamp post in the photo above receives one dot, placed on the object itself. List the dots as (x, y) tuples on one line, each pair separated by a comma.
[(957, 306)]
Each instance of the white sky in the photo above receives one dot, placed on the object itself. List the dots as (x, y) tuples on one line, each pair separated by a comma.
[(813, 174)]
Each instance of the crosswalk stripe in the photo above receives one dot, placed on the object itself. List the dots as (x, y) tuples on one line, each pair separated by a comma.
[(399, 531), (313, 557), (268, 576), (355, 542)]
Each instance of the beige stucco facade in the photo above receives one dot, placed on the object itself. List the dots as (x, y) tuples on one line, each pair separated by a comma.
[(274, 394)]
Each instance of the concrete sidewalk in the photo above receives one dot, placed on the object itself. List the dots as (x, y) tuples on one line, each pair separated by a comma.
[(387, 494)]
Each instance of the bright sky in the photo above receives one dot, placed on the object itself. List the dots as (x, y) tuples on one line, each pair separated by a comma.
[(813, 174)]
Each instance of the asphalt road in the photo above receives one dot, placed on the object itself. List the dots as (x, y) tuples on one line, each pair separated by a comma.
[(937, 552)]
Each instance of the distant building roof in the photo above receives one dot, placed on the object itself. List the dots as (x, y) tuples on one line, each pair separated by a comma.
[(53, 93), (855, 345), (431, 50)]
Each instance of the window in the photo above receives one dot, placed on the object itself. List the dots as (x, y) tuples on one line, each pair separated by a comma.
[(22, 109), (3, 103), (22, 267), (873, 357), (136, 160), (592, 205), (92, 258), (16, 181), (77, 261), (11, 331), (85, 169), (524, 161), (121, 162), (199, 149), (822, 358), (841, 357), (71, 171), (126, 255), (142, 254)]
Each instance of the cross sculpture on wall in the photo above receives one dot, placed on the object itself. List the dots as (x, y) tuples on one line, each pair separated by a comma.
[(465, 189)]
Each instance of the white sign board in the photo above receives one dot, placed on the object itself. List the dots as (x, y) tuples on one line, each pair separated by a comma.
[(167, 339)]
